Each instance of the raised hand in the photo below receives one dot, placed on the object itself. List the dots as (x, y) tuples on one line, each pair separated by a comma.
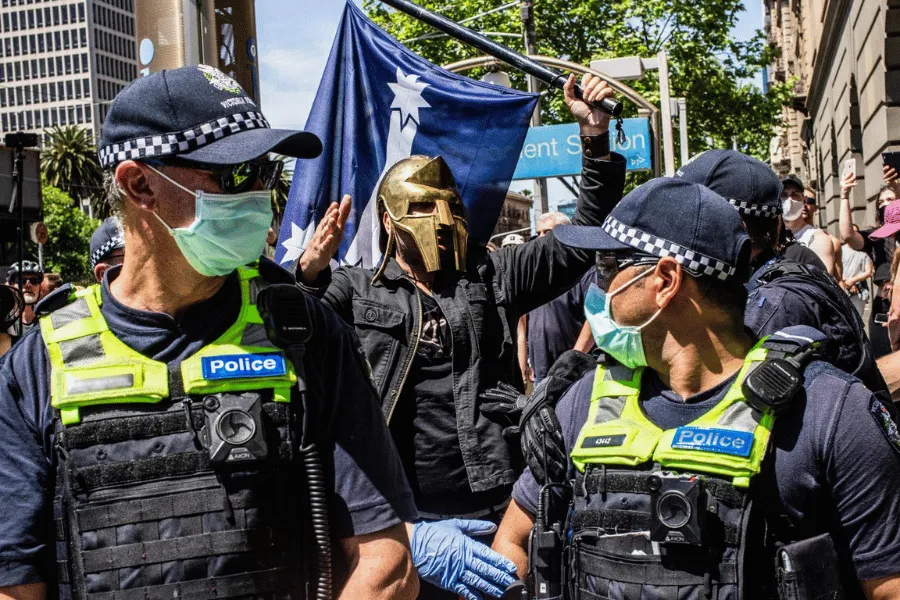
[(325, 241), (593, 121)]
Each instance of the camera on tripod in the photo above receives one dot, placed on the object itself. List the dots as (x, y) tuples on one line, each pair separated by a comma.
[(677, 508), (20, 139)]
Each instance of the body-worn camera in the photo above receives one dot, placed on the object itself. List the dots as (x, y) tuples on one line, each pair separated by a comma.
[(677, 508), (234, 431)]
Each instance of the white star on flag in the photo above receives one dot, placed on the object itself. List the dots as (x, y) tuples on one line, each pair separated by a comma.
[(408, 96), (297, 242)]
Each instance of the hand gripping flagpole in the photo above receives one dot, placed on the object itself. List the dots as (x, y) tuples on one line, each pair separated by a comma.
[(507, 55)]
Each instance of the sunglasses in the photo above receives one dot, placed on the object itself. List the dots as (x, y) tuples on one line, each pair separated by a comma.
[(32, 279), (609, 264), (235, 179)]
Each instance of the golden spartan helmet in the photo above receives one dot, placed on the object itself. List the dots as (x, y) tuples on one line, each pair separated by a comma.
[(423, 180)]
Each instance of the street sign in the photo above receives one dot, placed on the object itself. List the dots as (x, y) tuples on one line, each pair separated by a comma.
[(555, 150)]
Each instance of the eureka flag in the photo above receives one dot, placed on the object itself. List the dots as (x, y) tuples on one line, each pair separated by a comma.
[(378, 103)]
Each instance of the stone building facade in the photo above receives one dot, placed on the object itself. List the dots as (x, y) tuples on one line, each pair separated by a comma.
[(844, 56)]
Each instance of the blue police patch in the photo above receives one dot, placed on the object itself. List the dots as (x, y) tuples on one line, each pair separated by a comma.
[(885, 414), (722, 441), (242, 366)]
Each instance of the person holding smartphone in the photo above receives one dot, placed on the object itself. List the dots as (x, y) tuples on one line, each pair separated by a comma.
[(881, 249)]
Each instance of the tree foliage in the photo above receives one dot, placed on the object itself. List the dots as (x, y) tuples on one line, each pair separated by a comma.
[(69, 162), (68, 250), (706, 64)]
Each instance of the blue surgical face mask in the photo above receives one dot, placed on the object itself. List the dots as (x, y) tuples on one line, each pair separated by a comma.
[(229, 230), (623, 343)]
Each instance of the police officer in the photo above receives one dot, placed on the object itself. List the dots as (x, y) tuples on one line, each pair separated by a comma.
[(107, 247), (438, 320), (155, 421), (684, 484), (783, 292)]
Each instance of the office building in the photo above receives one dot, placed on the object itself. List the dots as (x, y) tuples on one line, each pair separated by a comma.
[(844, 57), (63, 61)]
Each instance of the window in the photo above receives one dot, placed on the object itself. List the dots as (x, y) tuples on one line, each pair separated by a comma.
[(30, 115), (16, 46), (86, 85), (69, 92), (39, 16), (65, 16), (5, 21), (5, 117), (19, 97), (45, 95), (72, 13), (40, 43), (37, 119), (56, 15), (46, 117), (18, 71), (7, 44), (80, 114), (77, 85), (57, 41), (81, 13), (72, 115), (15, 21), (59, 65), (34, 67), (84, 62), (68, 65), (65, 40), (88, 113), (30, 19), (50, 67), (62, 117), (3, 97)]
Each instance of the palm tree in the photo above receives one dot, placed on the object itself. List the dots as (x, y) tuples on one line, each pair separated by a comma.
[(69, 162)]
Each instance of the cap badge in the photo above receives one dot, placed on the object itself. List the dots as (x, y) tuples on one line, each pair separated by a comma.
[(220, 80)]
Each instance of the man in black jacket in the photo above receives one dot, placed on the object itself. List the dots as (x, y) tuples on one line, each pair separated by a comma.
[(437, 320)]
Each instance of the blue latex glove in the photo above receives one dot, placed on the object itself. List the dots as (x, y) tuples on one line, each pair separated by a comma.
[(445, 555)]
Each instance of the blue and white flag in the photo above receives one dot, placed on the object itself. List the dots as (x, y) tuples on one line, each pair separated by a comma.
[(379, 103)]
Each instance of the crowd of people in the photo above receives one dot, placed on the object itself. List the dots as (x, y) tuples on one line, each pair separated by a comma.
[(673, 394)]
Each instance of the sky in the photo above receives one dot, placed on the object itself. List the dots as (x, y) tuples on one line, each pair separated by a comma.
[(294, 39)]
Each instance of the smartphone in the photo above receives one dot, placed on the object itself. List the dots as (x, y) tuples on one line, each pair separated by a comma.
[(891, 159), (849, 167), (881, 318)]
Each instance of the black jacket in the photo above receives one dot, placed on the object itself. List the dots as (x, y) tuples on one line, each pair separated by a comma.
[(482, 307)]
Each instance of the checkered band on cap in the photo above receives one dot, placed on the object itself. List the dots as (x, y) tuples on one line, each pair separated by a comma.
[(107, 247), (755, 210), (169, 144), (691, 261)]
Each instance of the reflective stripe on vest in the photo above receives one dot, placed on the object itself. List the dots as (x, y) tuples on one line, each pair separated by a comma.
[(90, 366), (729, 440)]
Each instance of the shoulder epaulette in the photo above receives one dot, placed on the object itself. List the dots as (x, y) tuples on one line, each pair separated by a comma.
[(55, 300)]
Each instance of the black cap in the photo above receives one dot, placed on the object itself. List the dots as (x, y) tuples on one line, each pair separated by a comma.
[(106, 238), (747, 183), (793, 180), (196, 113), (671, 217)]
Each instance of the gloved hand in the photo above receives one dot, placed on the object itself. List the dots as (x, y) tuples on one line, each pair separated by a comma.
[(506, 401), (445, 555), (542, 441)]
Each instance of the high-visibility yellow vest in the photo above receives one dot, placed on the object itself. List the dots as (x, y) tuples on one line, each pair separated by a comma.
[(91, 367), (729, 440)]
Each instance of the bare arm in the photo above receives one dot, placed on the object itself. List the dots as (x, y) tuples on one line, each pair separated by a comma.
[(870, 269), (845, 219), (889, 365), (585, 341), (512, 538), (838, 259), (886, 588), (823, 247), (28, 591), (380, 566), (522, 348)]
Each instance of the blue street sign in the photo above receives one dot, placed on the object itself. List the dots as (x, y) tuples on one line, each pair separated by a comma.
[(555, 150)]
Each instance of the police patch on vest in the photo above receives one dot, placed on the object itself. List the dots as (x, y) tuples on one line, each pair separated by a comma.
[(604, 441), (884, 414), (241, 366), (721, 441)]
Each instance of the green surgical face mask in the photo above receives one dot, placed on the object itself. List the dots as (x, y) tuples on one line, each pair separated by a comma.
[(624, 343), (229, 230)]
